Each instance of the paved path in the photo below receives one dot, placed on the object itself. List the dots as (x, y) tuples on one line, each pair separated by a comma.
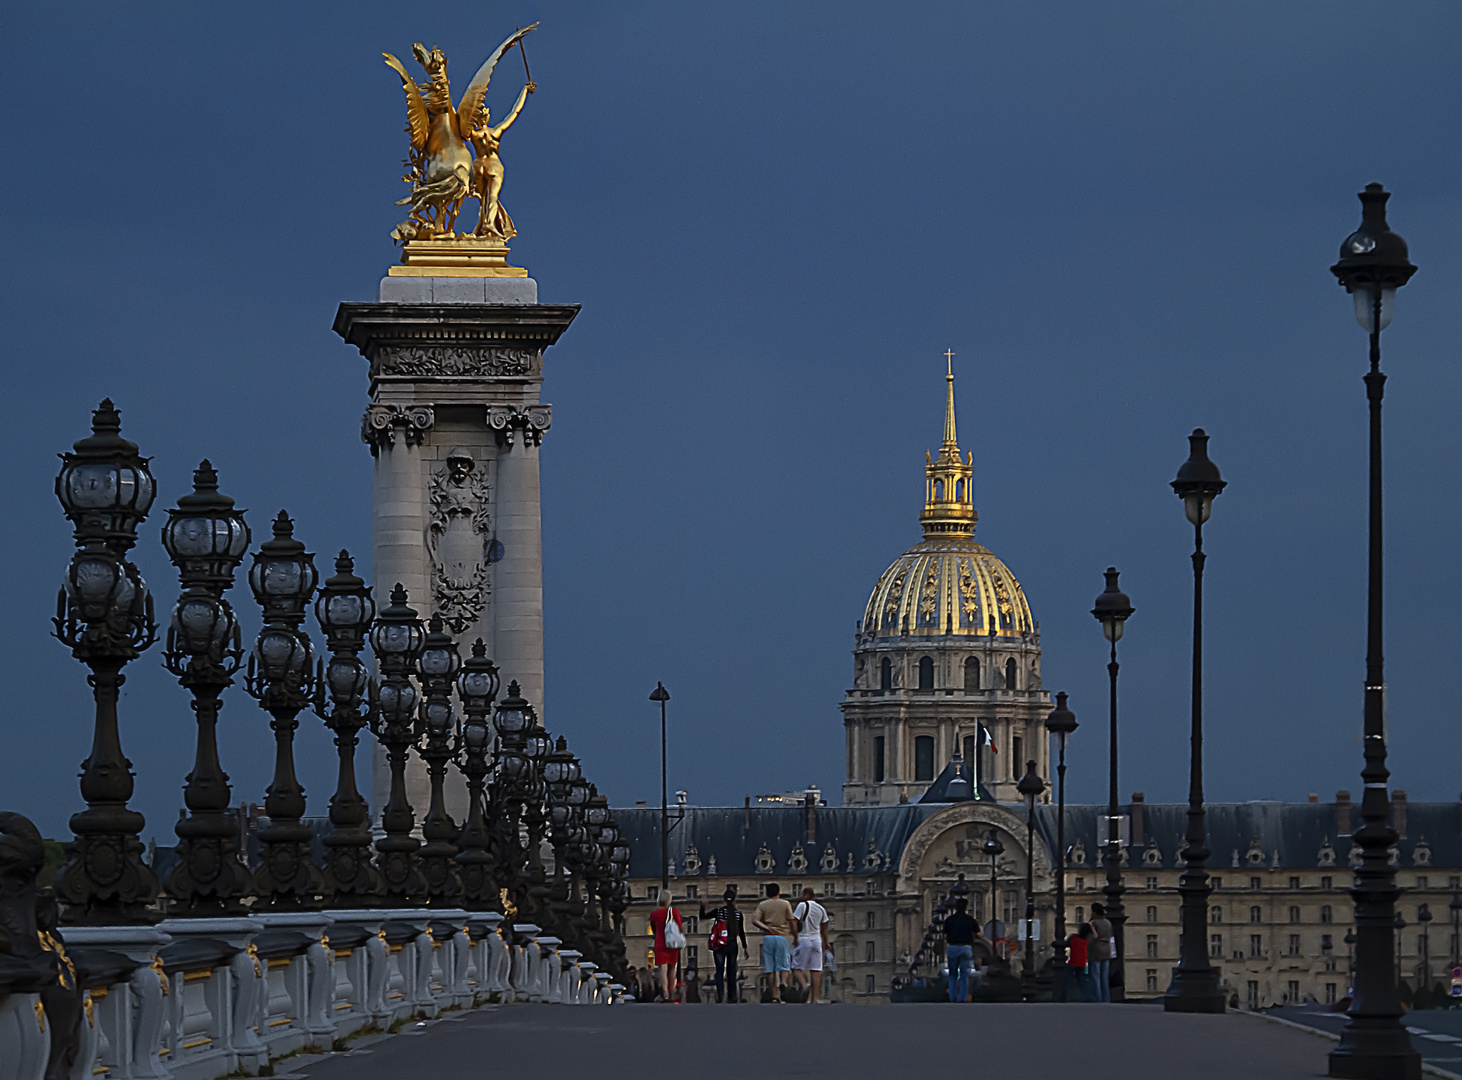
[(1437, 1035), (848, 1042)]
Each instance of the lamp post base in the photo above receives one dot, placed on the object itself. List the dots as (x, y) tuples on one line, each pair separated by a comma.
[(1195, 992), (1381, 1052)]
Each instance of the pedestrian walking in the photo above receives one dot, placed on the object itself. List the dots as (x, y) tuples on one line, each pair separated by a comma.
[(773, 917), (960, 931), (1074, 978), (1101, 952), (667, 925), (811, 943), (727, 929)]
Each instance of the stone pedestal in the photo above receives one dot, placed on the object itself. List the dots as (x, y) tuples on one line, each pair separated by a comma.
[(455, 422)]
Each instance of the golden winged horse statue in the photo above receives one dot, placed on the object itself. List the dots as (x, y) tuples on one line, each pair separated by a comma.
[(442, 170)]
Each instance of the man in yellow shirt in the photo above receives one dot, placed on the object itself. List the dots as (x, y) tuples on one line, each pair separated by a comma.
[(773, 918)]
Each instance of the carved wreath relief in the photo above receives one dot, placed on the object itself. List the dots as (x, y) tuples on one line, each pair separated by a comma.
[(457, 539)]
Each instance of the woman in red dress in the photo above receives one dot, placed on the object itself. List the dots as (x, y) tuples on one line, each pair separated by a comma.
[(667, 960)]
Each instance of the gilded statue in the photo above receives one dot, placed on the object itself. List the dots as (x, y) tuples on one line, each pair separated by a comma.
[(441, 169)]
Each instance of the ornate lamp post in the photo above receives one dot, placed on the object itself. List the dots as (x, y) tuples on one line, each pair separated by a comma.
[(993, 849), (206, 538), (560, 771), (1061, 723), (1424, 917), (1373, 265), (1400, 923), (282, 676), (1455, 907), (661, 695), (1195, 984), (104, 615), (345, 610), (438, 666), (596, 817), (1112, 610), (477, 685), (512, 720), (397, 640), (1030, 788), (536, 747)]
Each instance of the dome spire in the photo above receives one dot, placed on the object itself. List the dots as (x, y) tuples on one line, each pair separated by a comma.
[(949, 496)]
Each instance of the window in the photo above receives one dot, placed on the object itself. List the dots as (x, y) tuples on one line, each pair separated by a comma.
[(1011, 905), (924, 757), (1253, 993), (1292, 994), (972, 673), (870, 952), (868, 986), (938, 490), (959, 490), (692, 924), (1152, 881), (1327, 943), (1216, 882), (1151, 981), (885, 674), (1256, 946), (1256, 883), (967, 751), (1215, 946), (1152, 946), (1080, 916), (1010, 674), (1325, 914), (692, 891), (926, 673), (1329, 993), (1294, 883), (1294, 914), (1215, 914), (1151, 913), (690, 952), (1421, 881), (1256, 914), (870, 920), (1453, 883), (1325, 882), (1294, 944), (1017, 766), (878, 757)]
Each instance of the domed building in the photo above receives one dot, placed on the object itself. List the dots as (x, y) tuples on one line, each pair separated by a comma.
[(947, 661)]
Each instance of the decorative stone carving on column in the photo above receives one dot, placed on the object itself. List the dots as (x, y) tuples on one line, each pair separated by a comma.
[(457, 538), (533, 421), (378, 425), (476, 361)]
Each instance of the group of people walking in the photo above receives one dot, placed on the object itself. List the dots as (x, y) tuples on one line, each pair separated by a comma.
[(1089, 954), (793, 946)]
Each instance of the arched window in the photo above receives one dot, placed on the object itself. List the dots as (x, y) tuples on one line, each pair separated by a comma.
[(885, 674), (938, 490), (1010, 674), (959, 490), (972, 673), (924, 758), (926, 673)]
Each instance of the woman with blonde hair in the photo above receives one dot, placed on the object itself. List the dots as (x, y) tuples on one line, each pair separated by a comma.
[(666, 925)]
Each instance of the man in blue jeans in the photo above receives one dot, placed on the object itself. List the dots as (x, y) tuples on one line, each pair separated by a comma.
[(959, 935)]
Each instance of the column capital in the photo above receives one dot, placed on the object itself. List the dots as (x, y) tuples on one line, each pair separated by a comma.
[(531, 420), (378, 425)]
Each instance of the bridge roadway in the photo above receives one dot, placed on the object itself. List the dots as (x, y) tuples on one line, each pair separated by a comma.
[(763, 1042)]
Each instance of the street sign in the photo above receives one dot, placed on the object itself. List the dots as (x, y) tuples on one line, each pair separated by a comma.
[(1035, 935)]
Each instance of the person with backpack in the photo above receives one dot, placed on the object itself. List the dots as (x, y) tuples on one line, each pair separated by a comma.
[(1074, 980), (811, 942), (960, 931), (728, 928), (666, 924)]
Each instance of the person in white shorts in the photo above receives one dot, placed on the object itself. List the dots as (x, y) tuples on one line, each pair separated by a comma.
[(811, 942)]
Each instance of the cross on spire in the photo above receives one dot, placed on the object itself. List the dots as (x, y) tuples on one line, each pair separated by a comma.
[(949, 361)]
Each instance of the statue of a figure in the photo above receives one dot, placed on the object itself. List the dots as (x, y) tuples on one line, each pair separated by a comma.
[(442, 172)]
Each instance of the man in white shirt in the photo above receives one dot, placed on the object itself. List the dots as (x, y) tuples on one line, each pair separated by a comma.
[(811, 942)]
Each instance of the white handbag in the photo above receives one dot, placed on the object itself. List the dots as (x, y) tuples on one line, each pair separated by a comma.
[(674, 936)]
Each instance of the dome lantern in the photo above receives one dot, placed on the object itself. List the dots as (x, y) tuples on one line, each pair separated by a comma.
[(949, 490)]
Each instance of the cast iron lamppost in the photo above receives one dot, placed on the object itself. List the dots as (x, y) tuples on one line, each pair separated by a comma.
[(282, 676), (1350, 958), (438, 667), (662, 695), (560, 770), (536, 747), (993, 849), (1455, 907), (1195, 988), (104, 616), (1112, 610), (206, 538), (1030, 788), (1400, 923), (607, 840), (345, 610), (512, 720), (1061, 723), (477, 685), (397, 639), (1424, 917), (1373, 265)]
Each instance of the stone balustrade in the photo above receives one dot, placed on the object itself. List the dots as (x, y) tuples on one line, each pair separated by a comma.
[(196, 999)]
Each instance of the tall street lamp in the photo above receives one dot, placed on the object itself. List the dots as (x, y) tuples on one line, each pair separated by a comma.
[(1373, 265), (1030, 788), (1112, 610), (282, 677), (437, 668), (1455, 907), (477, 685), (206, 538), (397, 639), (104, 616), (993, 849), (1061, 723), (1424, 917), (1399, 922), (1195, 983), (662, 695)]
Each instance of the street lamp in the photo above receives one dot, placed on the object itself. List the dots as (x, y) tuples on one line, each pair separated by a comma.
[(206, 538), (1350, 959), (397, 639), (1455, 907), (1424, 917), (1195, 984), (1112, 610), (437, 668), (345, 610), (477, 685), (1030, 788), (1061, 723), (281, 676), (513, 719), (662, 695), (993, 849), (1399, 922), (1373, 265), (104, 616)]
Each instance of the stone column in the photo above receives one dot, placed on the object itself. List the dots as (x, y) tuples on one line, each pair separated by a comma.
[(455, 423)]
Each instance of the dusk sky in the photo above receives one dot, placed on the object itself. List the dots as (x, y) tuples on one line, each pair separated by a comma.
[(777, 218)]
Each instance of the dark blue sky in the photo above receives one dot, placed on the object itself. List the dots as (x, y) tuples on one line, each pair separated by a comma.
[(777, 217)]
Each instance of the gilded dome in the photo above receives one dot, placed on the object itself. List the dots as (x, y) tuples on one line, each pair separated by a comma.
[(948, 586)]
